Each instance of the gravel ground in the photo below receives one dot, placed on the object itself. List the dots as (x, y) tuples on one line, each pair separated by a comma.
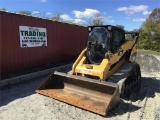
[(20, 102)]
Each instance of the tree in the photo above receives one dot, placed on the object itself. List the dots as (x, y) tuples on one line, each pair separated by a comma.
[(148, 40), (3, 9), (120, 26), (97, 20), (56, 17), (135, 30), (25, 12), (155, 15)]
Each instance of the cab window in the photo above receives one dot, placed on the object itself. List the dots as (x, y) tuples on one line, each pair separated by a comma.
[(118, 40)]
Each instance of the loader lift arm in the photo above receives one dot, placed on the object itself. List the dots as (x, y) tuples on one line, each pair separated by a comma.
[(104, 62), (103, 72)]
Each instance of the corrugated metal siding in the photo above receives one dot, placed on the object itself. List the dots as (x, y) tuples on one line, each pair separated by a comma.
[(64, 42)]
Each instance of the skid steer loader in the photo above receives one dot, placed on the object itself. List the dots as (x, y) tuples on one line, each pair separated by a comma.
[(104, 71)]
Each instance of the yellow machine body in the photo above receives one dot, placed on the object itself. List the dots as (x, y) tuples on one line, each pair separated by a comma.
[(103, 70), (91, 86)]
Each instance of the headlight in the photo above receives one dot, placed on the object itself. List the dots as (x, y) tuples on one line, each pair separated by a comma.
[(89, 29)]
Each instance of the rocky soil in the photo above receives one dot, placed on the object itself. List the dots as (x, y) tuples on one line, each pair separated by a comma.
[(20, 102)]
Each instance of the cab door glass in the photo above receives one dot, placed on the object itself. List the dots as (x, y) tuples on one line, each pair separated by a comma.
[(118, 40)]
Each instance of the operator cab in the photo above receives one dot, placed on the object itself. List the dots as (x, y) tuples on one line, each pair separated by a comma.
[(102, 39)]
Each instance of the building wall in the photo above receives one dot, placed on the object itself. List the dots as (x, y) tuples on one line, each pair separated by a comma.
[(64, 42)]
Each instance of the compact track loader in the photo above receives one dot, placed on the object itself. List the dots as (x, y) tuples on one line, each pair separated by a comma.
[(104, 71)]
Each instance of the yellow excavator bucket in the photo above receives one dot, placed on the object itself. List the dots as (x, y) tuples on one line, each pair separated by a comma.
[(89, 94)]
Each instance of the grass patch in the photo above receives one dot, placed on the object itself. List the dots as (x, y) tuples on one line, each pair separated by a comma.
[(149, 52)]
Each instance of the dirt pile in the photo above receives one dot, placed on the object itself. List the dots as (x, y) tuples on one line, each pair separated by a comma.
[(148, 62)]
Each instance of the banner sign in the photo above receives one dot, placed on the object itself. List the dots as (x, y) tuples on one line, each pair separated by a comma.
[(32, 36)]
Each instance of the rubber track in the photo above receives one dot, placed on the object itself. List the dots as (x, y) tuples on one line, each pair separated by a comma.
[(122, 74)]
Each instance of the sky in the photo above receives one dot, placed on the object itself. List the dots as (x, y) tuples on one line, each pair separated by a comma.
[(129, 13)]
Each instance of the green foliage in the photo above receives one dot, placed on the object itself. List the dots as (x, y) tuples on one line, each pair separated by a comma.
[(25, 12), (149, 34), (120, 26), (149, 52), (3, 9)]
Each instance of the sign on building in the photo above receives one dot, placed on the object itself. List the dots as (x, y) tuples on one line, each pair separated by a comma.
[(32, 36)]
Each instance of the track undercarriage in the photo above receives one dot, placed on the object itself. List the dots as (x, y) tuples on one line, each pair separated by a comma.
[(127, 77)]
